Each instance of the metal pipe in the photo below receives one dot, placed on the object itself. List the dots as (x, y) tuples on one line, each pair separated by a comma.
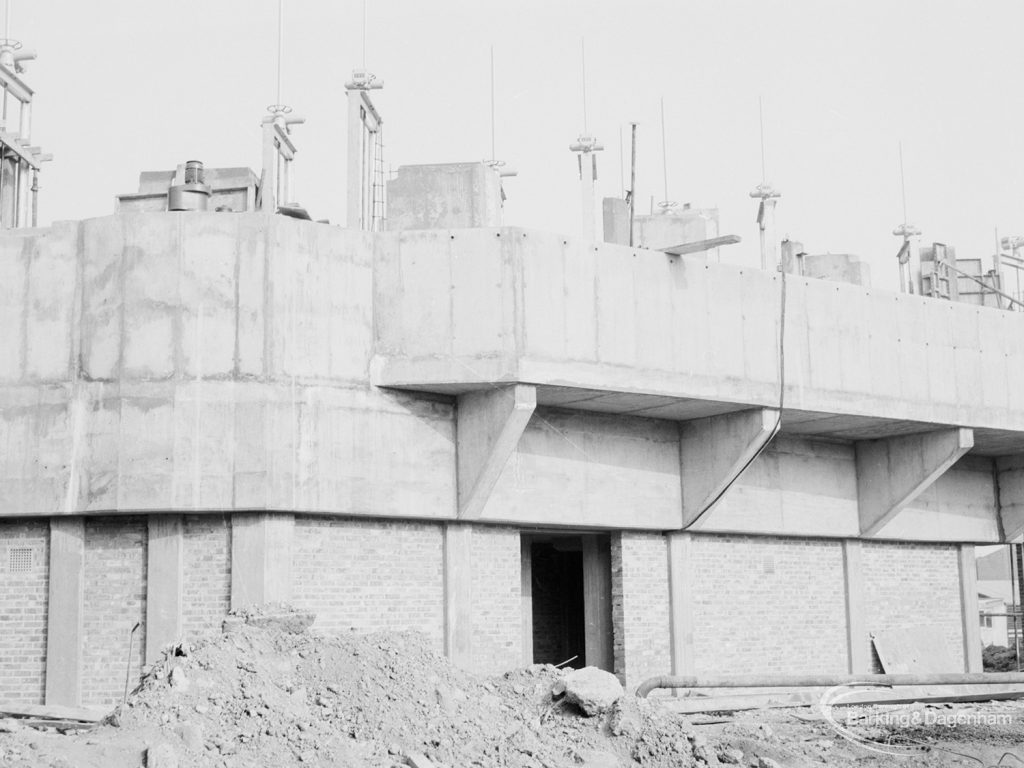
[(983, 284), (826, 681), (632, 184)]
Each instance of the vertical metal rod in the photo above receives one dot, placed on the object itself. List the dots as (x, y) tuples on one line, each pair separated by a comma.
[(632, 182), (280, 45), (494, 154), (7, 19), (583, 67), (35, 198), (760, 110), (664, 149), (364, 34), (622, 163), (903, 186)]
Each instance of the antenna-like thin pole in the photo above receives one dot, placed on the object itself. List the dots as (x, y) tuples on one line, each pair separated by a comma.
[(494, 155), (903, 186), (760, 110), (364, 34), (7, 19), (622, 168), (280, 44), (583, 67), (664, 151)]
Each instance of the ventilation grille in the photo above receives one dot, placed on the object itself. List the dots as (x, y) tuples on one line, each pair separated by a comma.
[(19, 559), (769, 564)]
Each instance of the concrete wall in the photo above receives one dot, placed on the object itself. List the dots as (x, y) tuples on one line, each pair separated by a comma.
[(204, 362), (512, 304), (809, 487)]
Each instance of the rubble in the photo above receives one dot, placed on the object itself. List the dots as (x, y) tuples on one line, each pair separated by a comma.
[(274, 692), (591, 689)]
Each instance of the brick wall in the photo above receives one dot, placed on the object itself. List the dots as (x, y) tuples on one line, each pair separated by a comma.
[(772, 605), (115, 598), (24, 558), (206, 586), (497, 599), (908, 585), (370, 575), (640, 606)]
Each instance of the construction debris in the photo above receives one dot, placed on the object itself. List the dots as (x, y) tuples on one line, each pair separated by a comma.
[(272, 691)]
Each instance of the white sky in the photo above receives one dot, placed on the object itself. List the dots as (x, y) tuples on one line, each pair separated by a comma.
[(131, 85)]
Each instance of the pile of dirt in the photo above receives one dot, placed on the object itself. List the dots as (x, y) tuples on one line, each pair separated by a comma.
[(270, 692)]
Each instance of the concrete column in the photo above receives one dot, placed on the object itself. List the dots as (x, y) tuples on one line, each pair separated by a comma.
[(970, 611), (261, 558), (681, 578), (164, 576), (858, 652), (458, 594), (597, 602), (1010, 482), (488, 425), (715, 451), (526, 591), (892, 472), (64, 613)]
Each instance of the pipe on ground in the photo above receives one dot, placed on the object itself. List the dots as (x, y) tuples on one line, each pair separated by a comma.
[(827, 681)]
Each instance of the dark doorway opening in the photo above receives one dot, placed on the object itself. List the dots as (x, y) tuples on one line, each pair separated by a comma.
[(567, 599), (559, 629)]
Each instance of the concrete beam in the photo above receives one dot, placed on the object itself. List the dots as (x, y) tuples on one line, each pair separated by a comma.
[(892, 472), (681, 585), (715, 451), (64, 613), (970, 612), (261, 558), (858, 652), (489, 423), (164, 577), (458, 594), (1010, 483)]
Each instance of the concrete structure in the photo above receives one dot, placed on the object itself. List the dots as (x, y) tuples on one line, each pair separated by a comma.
[(668, 227), (514, 441), (232, 189), (838, 267), (457, 195)]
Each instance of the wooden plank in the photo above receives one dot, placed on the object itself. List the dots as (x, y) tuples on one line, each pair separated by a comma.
[(910, 695), (597, 602), (54, 712), (64, 613), (526, 593)]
